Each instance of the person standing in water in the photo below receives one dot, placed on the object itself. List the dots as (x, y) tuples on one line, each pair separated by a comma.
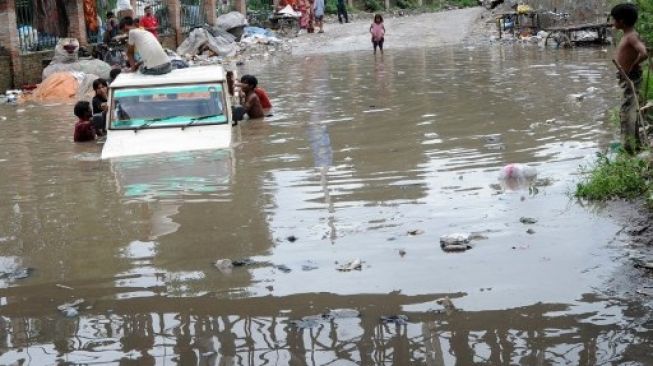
[(319, 14), (630, 53), (378, 33), (342, 11)]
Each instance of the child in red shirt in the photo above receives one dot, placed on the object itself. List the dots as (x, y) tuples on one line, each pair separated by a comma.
[(84, 130), (265, 100)]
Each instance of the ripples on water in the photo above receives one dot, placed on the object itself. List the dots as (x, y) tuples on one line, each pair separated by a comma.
[(360, 151)]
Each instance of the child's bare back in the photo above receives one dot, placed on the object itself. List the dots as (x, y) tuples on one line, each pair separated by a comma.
[(630, 52)]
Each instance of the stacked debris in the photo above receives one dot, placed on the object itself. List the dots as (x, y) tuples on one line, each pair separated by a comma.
[(230, 40)]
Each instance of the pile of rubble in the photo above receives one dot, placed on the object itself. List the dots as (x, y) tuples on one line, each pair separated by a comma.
[(230, 40)]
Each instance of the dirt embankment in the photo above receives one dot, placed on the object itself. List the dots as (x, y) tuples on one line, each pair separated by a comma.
[(424, 30)]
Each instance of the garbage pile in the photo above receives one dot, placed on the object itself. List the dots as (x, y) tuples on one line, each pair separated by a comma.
[(230, 40)]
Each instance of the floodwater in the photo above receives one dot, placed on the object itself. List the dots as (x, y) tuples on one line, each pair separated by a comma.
[(360, 152)]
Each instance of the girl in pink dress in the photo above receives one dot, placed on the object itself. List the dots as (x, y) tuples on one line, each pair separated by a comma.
[(378, 32)]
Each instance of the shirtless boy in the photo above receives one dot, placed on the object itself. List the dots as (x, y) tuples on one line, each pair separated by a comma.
[(251, 101), (631, 52)]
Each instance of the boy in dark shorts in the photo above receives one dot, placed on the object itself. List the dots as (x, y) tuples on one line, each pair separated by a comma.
[(630, 53), (84, 130)]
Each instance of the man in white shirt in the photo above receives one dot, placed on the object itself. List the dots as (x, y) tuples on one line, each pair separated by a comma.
[(154, 60)]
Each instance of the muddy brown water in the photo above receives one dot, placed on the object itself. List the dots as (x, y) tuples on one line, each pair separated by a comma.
[(360, 152)]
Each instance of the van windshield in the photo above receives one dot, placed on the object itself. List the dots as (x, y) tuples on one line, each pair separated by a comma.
[(169, 106)]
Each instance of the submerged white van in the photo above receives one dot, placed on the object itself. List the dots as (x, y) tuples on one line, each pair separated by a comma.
[(186, 109)]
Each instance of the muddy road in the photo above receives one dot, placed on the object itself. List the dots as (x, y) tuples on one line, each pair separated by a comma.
[(407, 32), (366, 158)]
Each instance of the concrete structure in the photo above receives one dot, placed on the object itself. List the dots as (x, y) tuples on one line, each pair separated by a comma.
[(26, 67)]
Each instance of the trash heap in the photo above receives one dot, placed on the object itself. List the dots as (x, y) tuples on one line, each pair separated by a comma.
[(230, 40)]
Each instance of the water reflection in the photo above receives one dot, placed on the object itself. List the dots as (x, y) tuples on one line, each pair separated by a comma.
[(257, 331)]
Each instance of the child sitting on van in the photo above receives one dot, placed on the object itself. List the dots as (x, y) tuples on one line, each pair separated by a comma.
[(84, 130)]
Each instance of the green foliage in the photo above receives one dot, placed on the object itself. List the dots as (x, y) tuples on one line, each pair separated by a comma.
[(624, 176), (373, 5), (331, 7), (258, 5), (463, 3), (645, 22), (406, 4)]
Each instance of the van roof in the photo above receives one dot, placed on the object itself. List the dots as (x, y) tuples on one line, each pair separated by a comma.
[(190, 75)]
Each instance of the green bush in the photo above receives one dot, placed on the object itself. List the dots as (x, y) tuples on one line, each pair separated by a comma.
[(406, 4), (331, 7), (464, 3), (625, 176), (373, 5)]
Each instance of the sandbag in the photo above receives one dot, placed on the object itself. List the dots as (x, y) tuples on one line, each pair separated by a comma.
[(231, 20), (58, 87), (95, 67)]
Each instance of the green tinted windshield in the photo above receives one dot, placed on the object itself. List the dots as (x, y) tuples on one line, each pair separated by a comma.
[(169, 106)]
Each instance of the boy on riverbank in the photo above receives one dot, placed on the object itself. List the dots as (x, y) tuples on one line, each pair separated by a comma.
[(631, 52)]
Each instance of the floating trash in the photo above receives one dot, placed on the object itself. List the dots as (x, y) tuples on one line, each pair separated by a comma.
[(394, 319), (352, 265)]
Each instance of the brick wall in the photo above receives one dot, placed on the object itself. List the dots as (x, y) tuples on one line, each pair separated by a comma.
[(32, 67), (5, 76)]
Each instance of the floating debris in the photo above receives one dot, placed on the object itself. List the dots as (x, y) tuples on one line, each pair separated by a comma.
[(530, 231), (455, 238), (447, 304), (70, 309), (244, 262), (64, 286), (527, 220), (352, 265), (402, 253), (224, 265), (309, 266), (292, 238), (341, 314), (283, 268), (395, 319), (415, 232), (17, 274)]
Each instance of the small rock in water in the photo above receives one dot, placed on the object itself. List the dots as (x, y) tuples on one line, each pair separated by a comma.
[(415, 232), (527, 220), (402, 252), (352, 265), (395, 319), (292, 238), (224, 265), (530, 231)]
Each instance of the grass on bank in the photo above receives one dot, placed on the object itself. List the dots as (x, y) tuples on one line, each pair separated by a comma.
[(622, 176)]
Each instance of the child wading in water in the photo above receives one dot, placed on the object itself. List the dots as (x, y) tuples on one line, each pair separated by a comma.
[(630, 53), (378, 32)]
